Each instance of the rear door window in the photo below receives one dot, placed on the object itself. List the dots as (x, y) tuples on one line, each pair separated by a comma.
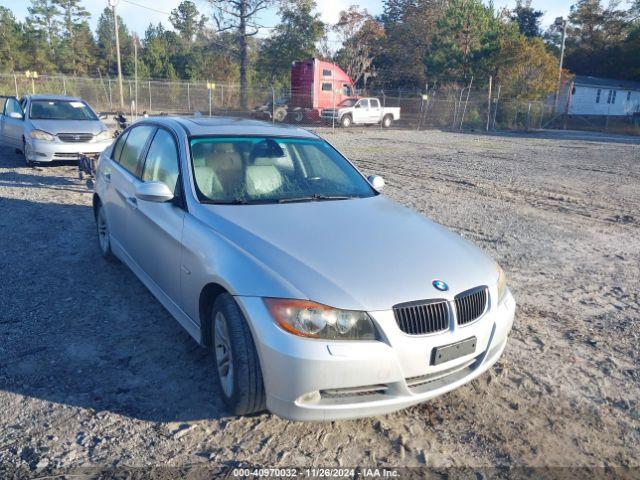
[(134, 145), (117, 150), (375, 103)]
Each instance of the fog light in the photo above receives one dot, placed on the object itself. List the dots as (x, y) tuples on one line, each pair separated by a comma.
[(310, 397)]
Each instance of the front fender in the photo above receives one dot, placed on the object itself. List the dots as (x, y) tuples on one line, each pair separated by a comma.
[(209, 257)]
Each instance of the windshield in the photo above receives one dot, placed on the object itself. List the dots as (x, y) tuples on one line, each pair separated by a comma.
[(272, 170), (60, 110), (349, 102)]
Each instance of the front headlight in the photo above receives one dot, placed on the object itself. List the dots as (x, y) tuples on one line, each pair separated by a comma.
[(313, 320), (40, 135), (502, 283), (103, 136)]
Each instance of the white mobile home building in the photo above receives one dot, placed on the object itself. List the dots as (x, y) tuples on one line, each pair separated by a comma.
[(600, 96)]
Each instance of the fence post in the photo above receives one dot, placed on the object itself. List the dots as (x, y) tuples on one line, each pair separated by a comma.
[(466, 102), (188, 98), (15, 82), (495, 111), (273, 105), (489, 102), (64, 85), (222, 97), (333, 115), (149, 97), (528, 118), (110, 100), (131, 104)]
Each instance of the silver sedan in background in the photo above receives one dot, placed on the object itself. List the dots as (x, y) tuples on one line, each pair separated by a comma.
[(47, 128), (320, 298)]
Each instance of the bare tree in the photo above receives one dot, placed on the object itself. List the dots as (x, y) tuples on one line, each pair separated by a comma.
[(361, 37), (241, 16)]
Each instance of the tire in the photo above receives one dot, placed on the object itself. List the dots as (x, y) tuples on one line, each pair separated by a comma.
[(298, 116), (104, 241), (24, 154), (237, 364), (279, 115), (387, 121), (346, 121)]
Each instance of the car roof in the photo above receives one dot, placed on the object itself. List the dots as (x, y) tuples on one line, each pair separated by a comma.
[(232, 126), (42, 96)]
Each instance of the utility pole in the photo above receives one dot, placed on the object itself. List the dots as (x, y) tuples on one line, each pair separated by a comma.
[(135, 70), (560, 22), (113, 4)]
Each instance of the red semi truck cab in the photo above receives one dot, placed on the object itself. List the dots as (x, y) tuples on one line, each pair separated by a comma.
[(316, 84)]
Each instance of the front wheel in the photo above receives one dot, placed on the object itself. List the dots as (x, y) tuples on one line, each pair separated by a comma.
[(24, 154), (346, 121), (387, 121), (239, 374)]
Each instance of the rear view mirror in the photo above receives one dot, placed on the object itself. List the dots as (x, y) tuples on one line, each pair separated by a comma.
[(154, 192), (16, 115)]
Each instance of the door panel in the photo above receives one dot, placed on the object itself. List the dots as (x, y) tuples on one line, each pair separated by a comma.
[(156, 240), (12, 128), (120, 193), (360, 112), (374, 111)]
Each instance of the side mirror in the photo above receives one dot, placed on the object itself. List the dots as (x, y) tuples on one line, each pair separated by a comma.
[(102, 116), (16, 115), (377, 182), (154, 192), (357, 105)]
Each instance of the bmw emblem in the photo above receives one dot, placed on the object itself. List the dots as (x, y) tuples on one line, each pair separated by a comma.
[(440, 285)]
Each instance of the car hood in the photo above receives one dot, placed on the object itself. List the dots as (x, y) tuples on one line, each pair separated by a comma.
[(69, 126), (360, 254)]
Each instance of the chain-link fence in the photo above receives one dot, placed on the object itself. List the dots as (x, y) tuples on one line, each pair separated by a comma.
[(453, 106)]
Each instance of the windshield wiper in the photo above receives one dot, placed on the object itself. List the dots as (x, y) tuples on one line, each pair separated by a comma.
[(235, 201), (315, 198)]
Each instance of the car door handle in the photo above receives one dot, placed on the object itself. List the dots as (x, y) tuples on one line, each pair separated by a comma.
[(133, 201), (107, 177)]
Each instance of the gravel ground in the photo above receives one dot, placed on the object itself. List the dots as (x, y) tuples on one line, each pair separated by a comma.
[(94, 372)]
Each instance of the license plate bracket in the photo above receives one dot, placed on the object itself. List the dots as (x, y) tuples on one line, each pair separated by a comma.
[(450, 352)]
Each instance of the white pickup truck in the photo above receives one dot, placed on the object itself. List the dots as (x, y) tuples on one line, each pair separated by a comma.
[(363, 111)]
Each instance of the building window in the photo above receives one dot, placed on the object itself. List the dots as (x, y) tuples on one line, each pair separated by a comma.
[(326, 87), (326, 73), (609, 96), (628, 96), (598, 93), (613, 97)]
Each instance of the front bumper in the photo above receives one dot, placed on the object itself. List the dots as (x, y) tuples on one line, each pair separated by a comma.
[(40, 151), (327, 380), (329, 115)]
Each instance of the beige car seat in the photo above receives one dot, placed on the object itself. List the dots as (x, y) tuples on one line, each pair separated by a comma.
[(206, 178)]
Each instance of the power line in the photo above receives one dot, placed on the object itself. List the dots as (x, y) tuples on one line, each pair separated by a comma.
[(148, 8)]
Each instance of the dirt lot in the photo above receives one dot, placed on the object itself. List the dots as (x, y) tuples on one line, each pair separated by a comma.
[(93, 371)]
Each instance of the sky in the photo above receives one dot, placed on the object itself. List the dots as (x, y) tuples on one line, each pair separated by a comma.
[(137, 17)]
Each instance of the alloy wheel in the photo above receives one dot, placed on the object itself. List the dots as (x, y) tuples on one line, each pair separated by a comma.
[(224, 357), (103, 231)]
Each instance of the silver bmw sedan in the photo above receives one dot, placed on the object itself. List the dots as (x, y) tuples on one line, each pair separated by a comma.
[(321, 298)]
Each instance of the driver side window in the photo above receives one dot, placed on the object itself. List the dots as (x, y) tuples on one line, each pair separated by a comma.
[(162, 161)]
